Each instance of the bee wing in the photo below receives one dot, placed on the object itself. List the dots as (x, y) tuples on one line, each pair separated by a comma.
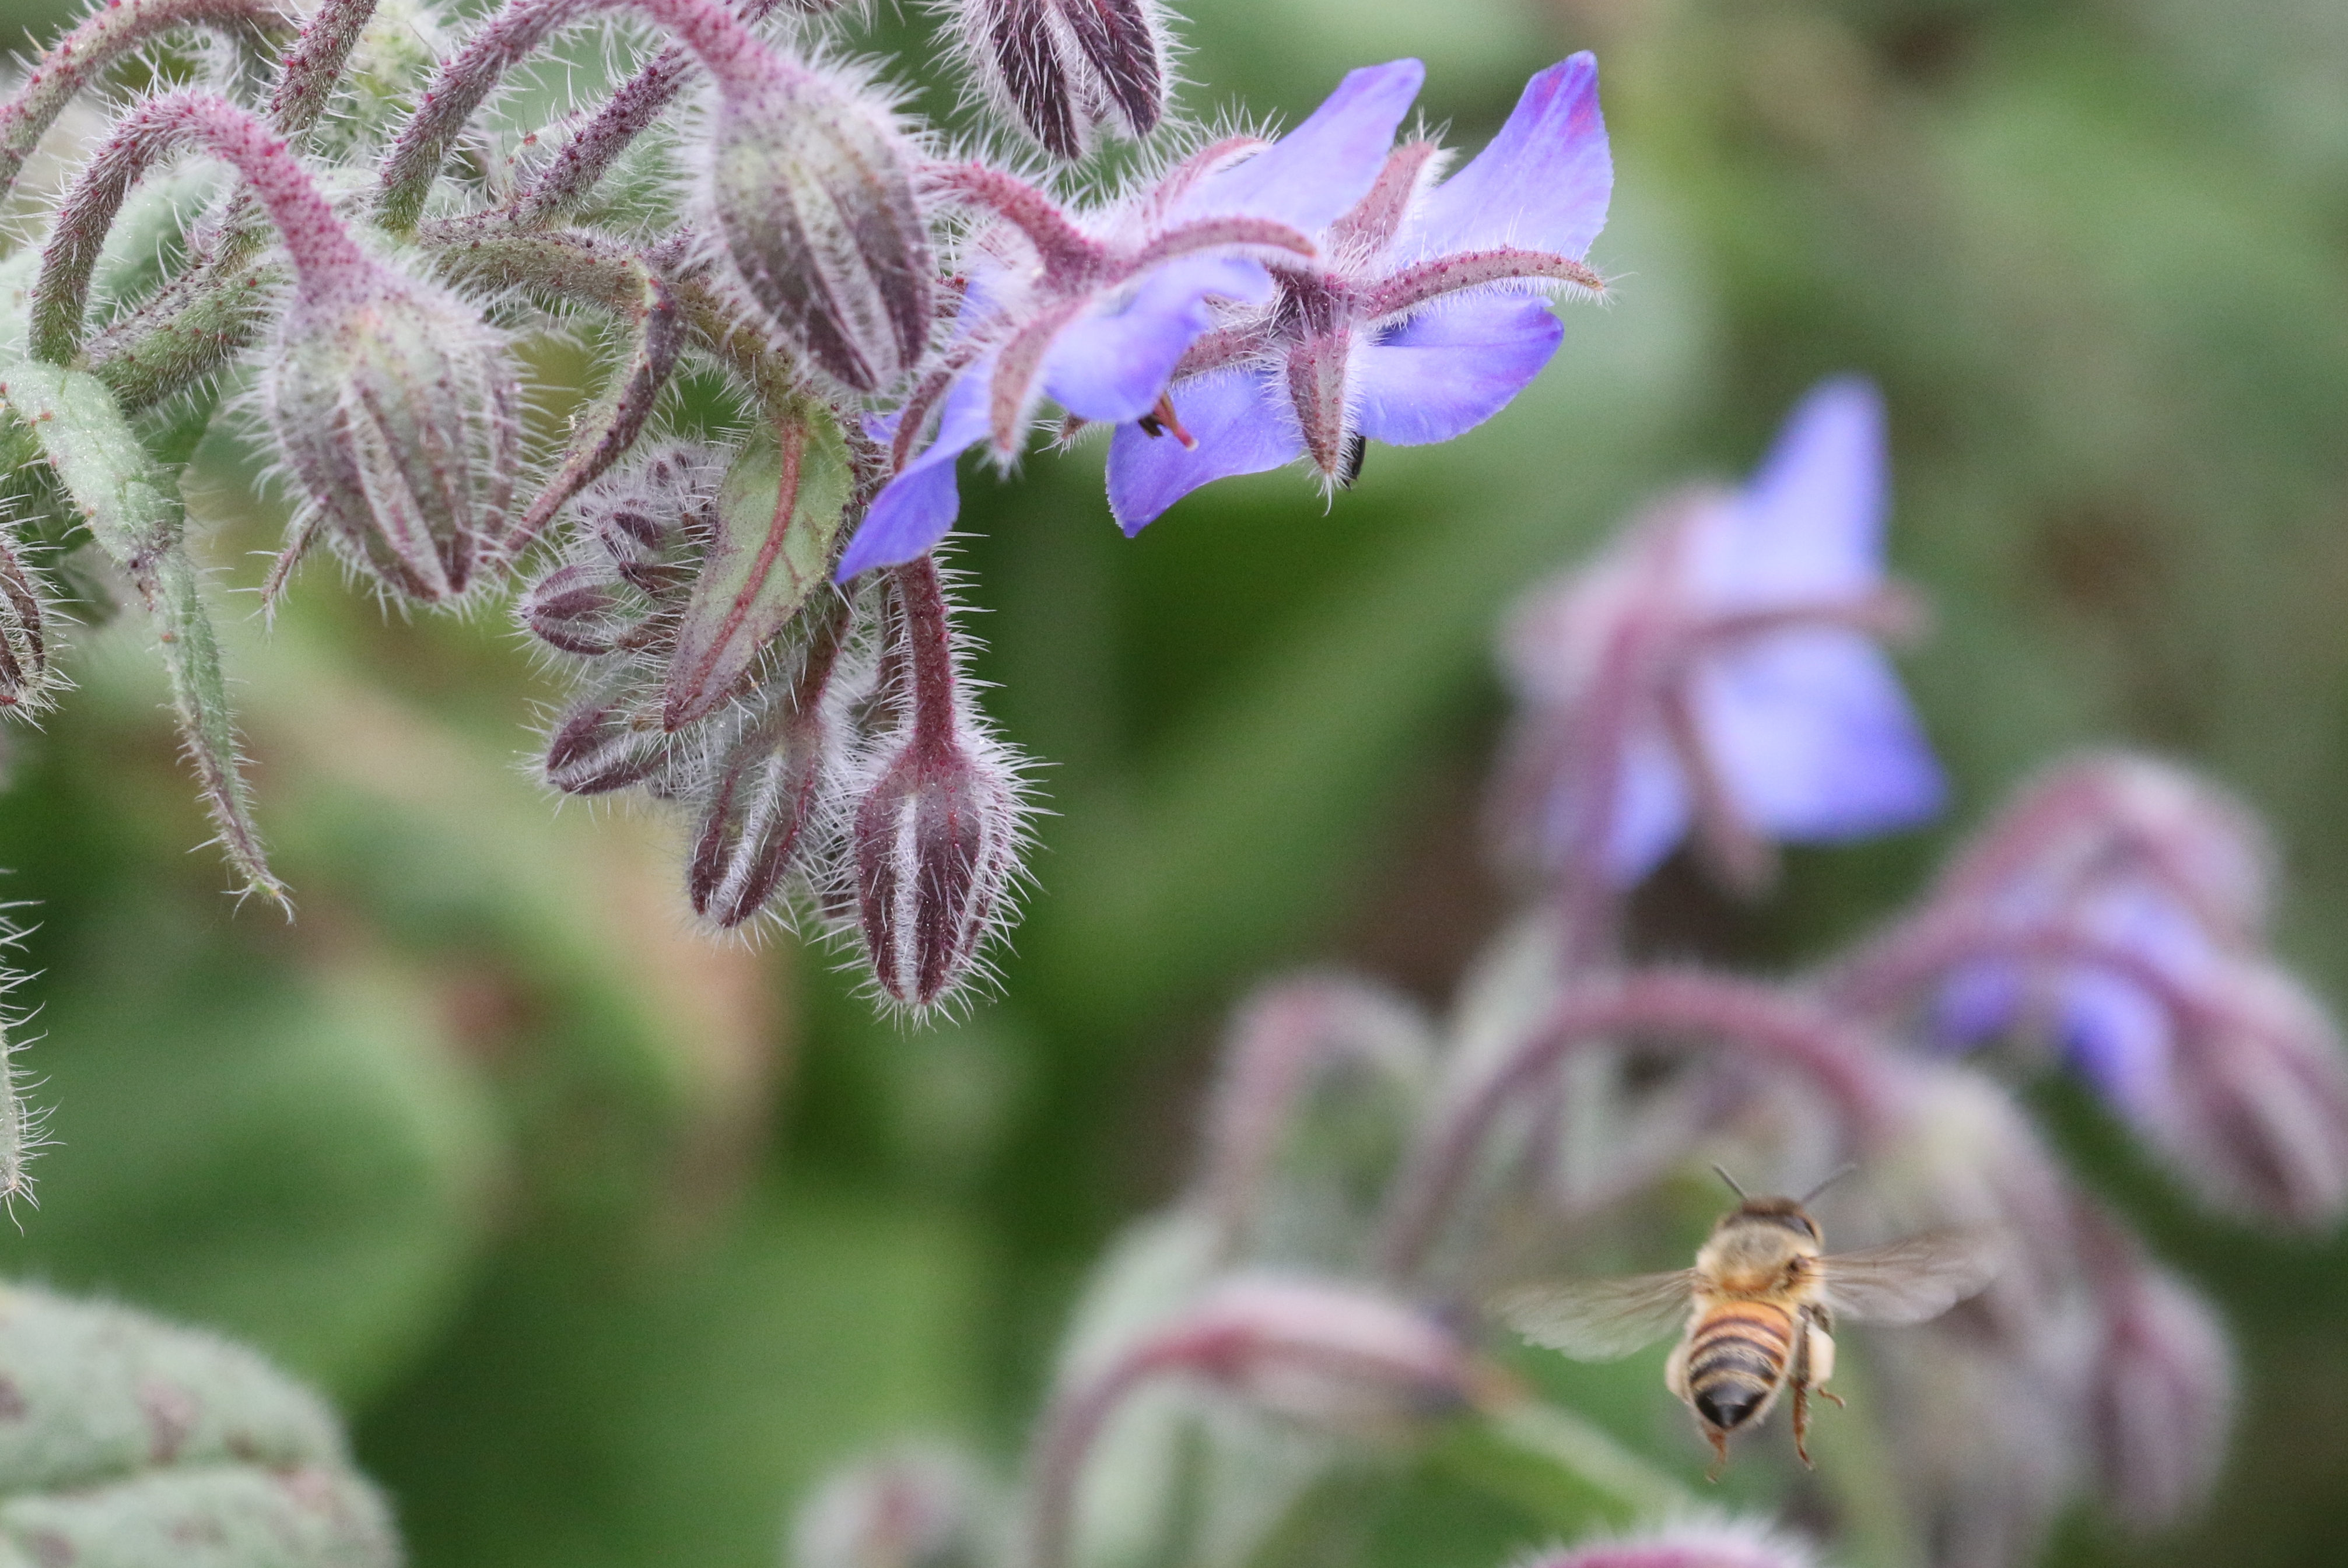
[(1913, 1280), (1597, 1319)]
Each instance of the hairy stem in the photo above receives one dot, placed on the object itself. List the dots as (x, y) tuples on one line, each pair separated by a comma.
[(1775, 1026), (321, 250), (927, 628), (82, 56), (729, 50)]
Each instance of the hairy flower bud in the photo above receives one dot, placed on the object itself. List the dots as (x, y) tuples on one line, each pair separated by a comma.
[(1327, 1354), (1058, 69), (2113, 816), (2255, 1109), (763, 792), (574, 608), (24, 680), (810, 185), (919, 1506), (602, 744), (2160, 1398), (397, 409), (1688, 1543), (935, 846)]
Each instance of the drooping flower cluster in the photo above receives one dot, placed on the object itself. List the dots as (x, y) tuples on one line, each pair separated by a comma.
[(822, 261), (1256, 303), (1371, 1177)]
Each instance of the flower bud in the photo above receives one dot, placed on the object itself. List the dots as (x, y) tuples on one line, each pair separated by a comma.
[(764, 792), (935, 845), (2160, 1401), (2113, 816), (1058, 69), (810, 188), (2256, 1116), (24, 634), (1689, 1544), (397, 409), (1327, 1354), (576, 608), (602, 744), (922, 1506)]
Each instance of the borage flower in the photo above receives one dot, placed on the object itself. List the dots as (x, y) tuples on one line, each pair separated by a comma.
[(2114, 912), (1428, 315), (1719, 669), (1097, 317)]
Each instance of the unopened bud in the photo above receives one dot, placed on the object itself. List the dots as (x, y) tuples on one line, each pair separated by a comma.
[(2256, 1116), (1058, 68), (2116, 817), (574, 608), (1327, 1354), (762, 796), (922, 1506), (25, 679), (811, 188), (602, 744), (936, 845), (1727, 1543), (397, 409), (2160, 1398)]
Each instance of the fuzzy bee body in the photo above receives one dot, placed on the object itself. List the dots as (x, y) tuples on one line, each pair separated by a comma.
[(1757, 1311)]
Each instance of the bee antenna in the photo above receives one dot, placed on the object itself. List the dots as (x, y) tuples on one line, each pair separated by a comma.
[(1733, 1187), (1844, 1171)]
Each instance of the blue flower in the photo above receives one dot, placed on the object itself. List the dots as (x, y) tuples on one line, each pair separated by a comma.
[(1097, 318), (2109, 998), (1718, 671), (1428, 315)]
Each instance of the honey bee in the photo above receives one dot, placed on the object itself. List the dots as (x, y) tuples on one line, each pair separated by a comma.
[(1758, 1309)]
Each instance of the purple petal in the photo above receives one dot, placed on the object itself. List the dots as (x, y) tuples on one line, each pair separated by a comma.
[(1813, 738), (915, 510), (1542, 183), (1449, 369), (1315, 173), (1979, 1003), (1112, 365), (1651, 808), (1240, 424), (2119, 1039), (1809, 524)]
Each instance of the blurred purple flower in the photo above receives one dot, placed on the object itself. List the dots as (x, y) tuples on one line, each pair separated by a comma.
[(1719, 670), (1098, 321), (1429, 316), (2115, 909), (1687, 1544)]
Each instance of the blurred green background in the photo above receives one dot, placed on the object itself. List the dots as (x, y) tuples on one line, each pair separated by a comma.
[(609, 1238)]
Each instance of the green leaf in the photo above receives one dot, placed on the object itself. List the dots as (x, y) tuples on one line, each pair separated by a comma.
[(779, 514), (132, 509), (131, 1442)]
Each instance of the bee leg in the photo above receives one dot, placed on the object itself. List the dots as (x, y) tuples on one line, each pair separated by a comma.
[(1800, 1378), (1818, 1355), (1719, 1451)]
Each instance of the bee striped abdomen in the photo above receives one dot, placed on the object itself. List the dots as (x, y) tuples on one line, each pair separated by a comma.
[(1737, 1359)]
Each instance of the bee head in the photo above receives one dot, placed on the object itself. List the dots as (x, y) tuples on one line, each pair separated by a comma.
[(1785, 1213)]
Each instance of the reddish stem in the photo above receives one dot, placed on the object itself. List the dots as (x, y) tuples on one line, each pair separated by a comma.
[(1789, 1030), (322, 250), (76, 60), (729, 50), (926, 629)]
